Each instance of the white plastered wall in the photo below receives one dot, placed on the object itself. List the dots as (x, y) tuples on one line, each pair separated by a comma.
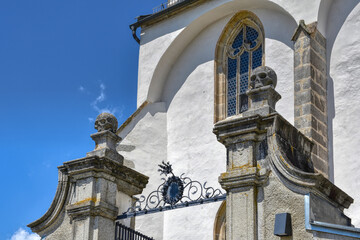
[(189, 95), (342, 31), (144, 146)]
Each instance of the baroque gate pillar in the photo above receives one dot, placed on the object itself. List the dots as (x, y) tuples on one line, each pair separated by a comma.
[(245, 140), (92, 191), (270, 175)]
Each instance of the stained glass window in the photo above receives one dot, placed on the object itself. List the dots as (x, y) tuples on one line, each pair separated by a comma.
[(244, 53)]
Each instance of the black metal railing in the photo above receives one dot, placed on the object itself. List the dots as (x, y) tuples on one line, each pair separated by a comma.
[(125, 233), (166, 5)]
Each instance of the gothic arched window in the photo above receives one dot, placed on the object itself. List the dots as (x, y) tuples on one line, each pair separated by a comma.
[(240, 49)]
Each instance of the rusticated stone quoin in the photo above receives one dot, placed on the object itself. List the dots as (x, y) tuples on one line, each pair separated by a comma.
[(310, 86)]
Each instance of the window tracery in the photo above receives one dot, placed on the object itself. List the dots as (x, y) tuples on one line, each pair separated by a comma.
[(240, 49)]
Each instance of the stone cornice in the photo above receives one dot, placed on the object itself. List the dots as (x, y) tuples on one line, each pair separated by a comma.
[(121, 173), (234, 129)]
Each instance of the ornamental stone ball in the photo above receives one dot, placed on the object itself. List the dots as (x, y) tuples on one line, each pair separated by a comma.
[(106, 121), (263, 76)]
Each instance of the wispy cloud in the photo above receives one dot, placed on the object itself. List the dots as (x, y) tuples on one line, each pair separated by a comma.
[(81, 89), (96, 104), (22, 234)]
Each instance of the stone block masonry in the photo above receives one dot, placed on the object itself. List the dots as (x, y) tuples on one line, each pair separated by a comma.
[(310, 91)]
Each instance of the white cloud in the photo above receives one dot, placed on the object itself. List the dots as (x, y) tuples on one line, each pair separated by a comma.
[(99, 103), (21, 234), (99, 99)]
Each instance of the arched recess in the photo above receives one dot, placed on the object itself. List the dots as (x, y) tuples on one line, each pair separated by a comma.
[(323, 13), (242, 36), (220, 223), (331, 18), (342, 53), (218, 11)]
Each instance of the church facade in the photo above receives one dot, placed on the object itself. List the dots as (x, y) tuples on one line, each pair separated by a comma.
[(210, 74), (181, 66)]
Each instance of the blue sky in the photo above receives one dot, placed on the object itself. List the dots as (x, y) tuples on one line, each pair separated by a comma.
[(61, 62)]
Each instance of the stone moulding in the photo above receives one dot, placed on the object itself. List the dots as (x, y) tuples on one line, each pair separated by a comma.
[(129, 120), (92, 208), (57, 204), (301, 180), (125, 176), (253, 177), (128, 181)]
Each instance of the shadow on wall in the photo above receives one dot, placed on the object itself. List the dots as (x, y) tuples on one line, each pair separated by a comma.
[(201, 50), (336, 15), (277, 25), (213, 14), (198, 52)]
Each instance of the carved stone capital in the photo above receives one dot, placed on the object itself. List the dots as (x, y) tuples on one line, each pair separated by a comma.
[(239, 129)]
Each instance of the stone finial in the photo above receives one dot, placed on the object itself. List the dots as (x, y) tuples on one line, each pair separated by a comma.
[(106, 121), (106, 139), (262, 94), (263, 76)]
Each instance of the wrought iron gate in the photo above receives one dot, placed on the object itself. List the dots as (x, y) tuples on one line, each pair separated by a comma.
[(125, 233)]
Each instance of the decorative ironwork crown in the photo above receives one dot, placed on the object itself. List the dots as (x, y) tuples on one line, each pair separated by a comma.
[(165, 168)]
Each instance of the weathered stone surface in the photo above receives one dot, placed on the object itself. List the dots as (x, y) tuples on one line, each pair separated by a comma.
[(310, 87), (270, 169), (263, 76), (106, 121), (92, 192)]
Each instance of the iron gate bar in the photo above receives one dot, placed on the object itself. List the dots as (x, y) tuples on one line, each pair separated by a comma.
[(123, 232), (175, 192), (170, 207)]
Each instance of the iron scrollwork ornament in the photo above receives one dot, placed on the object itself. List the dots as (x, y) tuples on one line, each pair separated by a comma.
[(174, 192)]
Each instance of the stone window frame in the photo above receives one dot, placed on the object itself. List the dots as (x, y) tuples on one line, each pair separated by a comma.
[(231, 30), (220, 223)]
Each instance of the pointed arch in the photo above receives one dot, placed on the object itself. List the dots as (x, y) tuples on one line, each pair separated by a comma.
[(239, 50), (220, 223)]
